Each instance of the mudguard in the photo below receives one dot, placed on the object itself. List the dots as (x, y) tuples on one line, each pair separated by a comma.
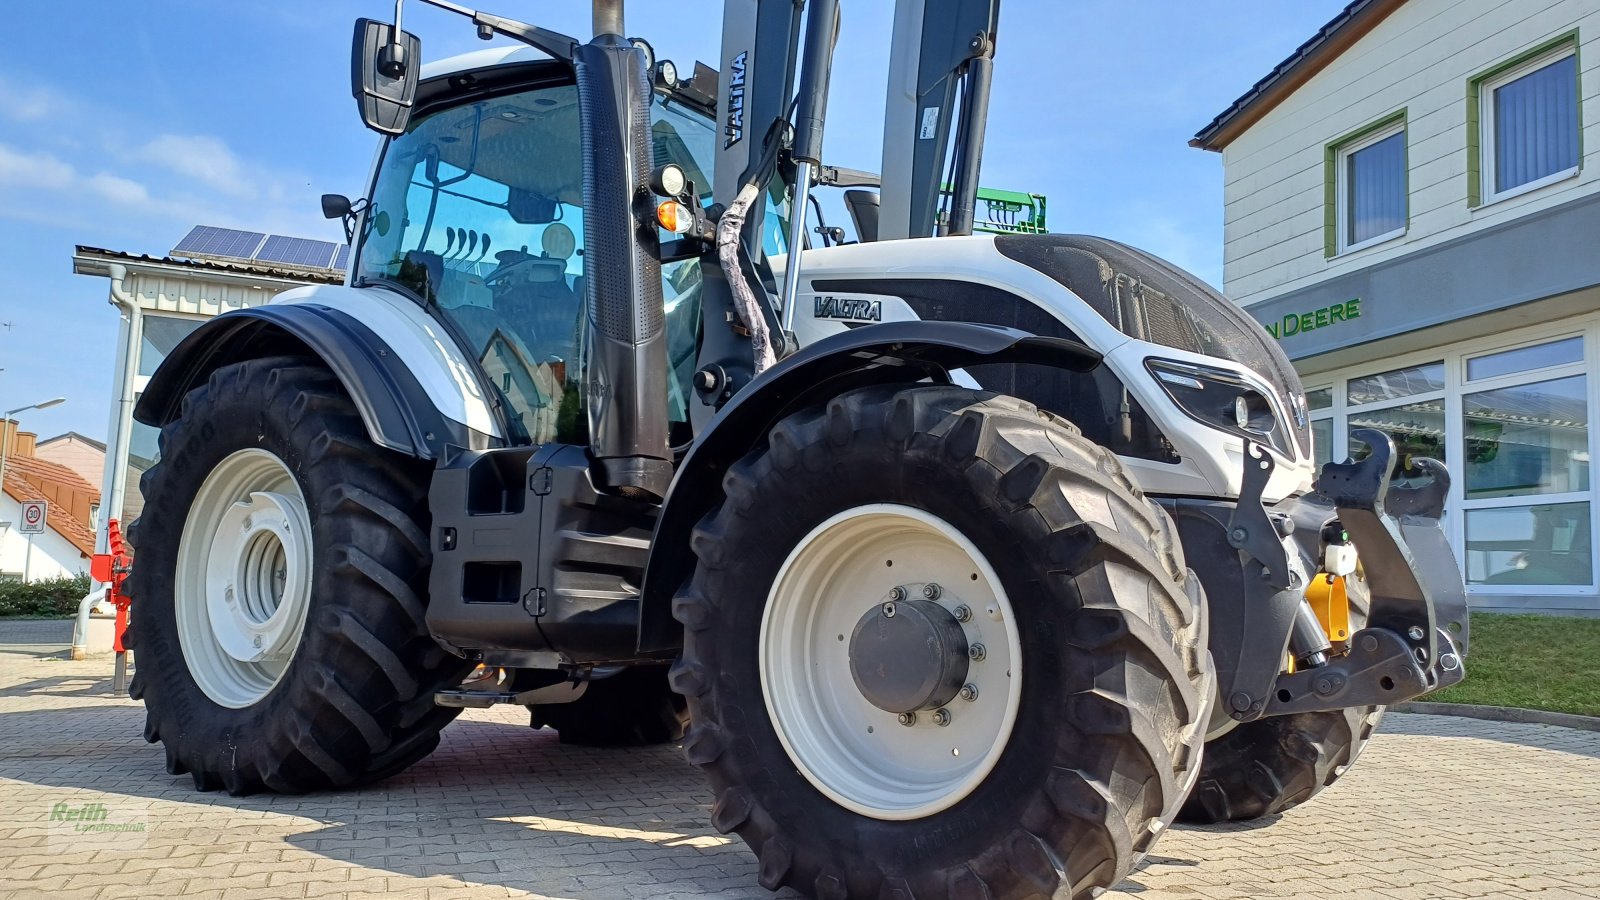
[(872, 354), (396, 410)]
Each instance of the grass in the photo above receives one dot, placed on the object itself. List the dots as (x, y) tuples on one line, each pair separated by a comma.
[(1533, 662)]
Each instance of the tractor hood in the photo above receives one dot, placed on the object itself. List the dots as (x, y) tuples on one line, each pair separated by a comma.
[(1149, 299)]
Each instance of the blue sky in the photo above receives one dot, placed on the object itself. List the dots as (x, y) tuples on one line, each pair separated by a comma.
[(123, 124)]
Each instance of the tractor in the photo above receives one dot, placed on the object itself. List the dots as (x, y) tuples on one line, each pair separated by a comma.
[(963, 564)]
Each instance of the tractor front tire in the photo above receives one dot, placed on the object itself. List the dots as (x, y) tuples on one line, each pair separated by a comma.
[(1268, 766), (280, 586), (914, 535), (633, 708)]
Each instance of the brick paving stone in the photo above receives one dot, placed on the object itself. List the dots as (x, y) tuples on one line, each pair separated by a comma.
[(1437, 809)]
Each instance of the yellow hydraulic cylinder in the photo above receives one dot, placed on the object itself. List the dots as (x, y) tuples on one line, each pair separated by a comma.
[(1331, 603)]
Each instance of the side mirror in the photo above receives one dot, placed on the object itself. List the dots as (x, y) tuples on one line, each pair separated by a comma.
[(335, 206), (383, 75)]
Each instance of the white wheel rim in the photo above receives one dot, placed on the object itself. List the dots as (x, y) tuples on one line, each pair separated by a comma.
[(242, 584), (857, 754)]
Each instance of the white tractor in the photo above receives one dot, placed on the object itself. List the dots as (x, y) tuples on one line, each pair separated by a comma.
[(970, 561)]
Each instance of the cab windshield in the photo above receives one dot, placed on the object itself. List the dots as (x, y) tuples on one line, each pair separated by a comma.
[(478, 210)]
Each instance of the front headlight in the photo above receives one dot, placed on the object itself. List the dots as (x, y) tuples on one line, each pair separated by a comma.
[(1222, 400)]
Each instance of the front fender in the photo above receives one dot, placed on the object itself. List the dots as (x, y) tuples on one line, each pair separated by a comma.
[(398, 410), (873, 354)]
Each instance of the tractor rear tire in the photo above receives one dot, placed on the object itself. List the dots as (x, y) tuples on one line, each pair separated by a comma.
[(1268, 766), (332, 571), (633, 708), (1095, 634)]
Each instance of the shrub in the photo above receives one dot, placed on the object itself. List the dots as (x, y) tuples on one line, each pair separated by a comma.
[(47, 598)]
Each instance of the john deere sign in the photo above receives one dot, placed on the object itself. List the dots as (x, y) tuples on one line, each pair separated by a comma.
[(1296, 323)]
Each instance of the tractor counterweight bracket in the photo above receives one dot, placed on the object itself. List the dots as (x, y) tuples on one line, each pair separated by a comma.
[(1381, 669), (1252, 531), (1422, 501), (1401, 603)]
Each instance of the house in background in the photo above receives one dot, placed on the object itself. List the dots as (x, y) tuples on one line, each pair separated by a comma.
[(80, 453), (1412, 206), (67, 542)]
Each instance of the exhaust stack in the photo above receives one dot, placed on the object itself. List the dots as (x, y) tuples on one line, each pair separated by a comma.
[(627, 361)]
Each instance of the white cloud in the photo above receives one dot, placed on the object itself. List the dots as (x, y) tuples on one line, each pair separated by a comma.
[(27, 103), (118, 189), (202, 158), (38, 170)]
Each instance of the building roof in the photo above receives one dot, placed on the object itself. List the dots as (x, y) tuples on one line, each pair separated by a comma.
[(21, 474), (101, 256), (73, 435), (1331, 40)]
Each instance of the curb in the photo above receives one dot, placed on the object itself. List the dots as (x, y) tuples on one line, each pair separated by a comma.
[(1500, 714)]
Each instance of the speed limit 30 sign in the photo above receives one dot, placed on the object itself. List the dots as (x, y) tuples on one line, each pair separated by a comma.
[(34, 513)]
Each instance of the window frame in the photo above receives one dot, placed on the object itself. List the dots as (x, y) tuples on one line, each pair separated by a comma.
[(1481, 120), (1342, 156), (1335, 156)]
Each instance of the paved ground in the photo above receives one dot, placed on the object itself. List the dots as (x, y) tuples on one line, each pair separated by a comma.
[(1437, 808)]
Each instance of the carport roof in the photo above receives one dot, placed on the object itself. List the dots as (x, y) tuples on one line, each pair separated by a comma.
[(97, 260)]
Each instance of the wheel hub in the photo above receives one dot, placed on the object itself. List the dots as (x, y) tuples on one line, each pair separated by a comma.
[(242, 580), (872, 708), (256, 584), (908, 655)]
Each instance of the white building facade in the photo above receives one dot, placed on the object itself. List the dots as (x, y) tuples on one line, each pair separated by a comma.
[(1412, 205), (162, 300)]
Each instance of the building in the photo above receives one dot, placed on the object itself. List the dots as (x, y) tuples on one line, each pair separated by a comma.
[(80, 453), (161, 301), (66, 544), (1412, 206)]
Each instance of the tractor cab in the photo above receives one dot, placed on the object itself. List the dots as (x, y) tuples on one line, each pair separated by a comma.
[(476, 212)]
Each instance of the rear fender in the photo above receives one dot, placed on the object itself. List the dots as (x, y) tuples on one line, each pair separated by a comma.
[(402, 404), (890, 352)]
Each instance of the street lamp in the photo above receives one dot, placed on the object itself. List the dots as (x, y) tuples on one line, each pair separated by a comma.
[(5, 443)]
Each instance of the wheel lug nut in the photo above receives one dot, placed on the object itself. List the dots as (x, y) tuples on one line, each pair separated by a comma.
[(963, 613), (969, 692), (888, 610), (941, 717), (976, 652), (907, 718), (897, 593), (931, 591)]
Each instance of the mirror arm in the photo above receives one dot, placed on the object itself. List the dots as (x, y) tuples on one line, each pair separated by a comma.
[(553, 43)]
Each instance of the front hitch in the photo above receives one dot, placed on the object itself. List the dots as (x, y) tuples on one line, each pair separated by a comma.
[(1418, 615)]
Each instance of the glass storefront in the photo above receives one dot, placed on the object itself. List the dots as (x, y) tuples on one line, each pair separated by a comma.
[(1511, 419)]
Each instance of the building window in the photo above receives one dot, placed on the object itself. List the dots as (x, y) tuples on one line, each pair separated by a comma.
[(1526, 475), (1367, 186), (1408, 405), (1320, 402), (1527, 118), (1372, 189)]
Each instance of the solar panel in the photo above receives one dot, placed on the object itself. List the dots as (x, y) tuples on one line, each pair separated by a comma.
[(296, 251), (209, 242), (205, 240)]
